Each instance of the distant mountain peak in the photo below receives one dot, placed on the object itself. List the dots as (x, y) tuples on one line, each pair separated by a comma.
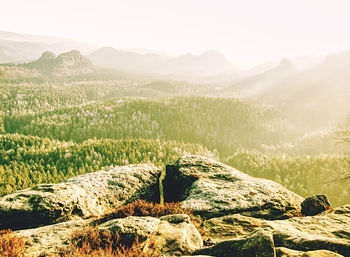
[(73, 58), (69, 63), (207, 63), (48, 55)]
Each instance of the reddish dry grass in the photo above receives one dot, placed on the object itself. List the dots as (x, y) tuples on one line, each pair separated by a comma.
[(94, 243), (144, 208), (11, 245)]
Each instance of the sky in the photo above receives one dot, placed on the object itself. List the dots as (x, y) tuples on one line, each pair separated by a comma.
[(246, 31)]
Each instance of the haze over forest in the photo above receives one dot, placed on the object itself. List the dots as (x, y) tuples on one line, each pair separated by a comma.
[(261, 86)]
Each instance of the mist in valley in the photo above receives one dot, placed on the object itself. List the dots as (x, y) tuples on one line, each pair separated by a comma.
[(261, 86)]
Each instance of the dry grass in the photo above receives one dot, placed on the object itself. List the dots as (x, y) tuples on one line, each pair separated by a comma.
[(94, 243), (11, 245), (144, 208)]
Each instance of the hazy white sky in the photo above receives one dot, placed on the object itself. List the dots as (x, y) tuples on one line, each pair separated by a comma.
[(246, 31)]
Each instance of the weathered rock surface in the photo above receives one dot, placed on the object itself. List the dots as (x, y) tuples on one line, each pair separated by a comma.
[(329, 231), (131, 227), (315, 205), (213, 189), (176, 235), (172, 234), (92, 194), (243, 216), (285, 252), (66, 64), (48, 240), (321, 253), (258, 243)]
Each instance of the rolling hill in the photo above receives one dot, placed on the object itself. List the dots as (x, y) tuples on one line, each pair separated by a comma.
[(208, 63)]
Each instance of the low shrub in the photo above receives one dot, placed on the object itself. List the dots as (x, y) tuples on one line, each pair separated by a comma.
[(144, 208), (94, 243), (11, 245)]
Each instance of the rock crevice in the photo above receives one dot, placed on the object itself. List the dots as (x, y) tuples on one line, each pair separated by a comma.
[(212, 189), (242, 215)]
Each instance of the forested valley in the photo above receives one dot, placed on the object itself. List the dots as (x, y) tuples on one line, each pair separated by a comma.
[(53, 129)]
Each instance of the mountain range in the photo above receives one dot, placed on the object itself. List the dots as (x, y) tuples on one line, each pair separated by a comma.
[(69, 63), (319, 94), (322, 86), (19, 48), (210, 62)]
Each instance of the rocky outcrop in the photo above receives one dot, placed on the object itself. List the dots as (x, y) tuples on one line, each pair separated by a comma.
[(285, 252), (321, 253), (329, 231), (172, 234), (212, 189), (259, 243), (92, 194), (131, 227), (241, 214), (176, 235), (50, 240), (71, 63), (315, 205), (46, 56)]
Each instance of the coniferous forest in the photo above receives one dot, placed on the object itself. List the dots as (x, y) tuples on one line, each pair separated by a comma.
[(174, 128), (58, 126)]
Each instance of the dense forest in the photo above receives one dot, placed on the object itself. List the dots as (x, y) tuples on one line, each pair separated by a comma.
[(56, 127), (174, 128), (222, 124), (26, 160)]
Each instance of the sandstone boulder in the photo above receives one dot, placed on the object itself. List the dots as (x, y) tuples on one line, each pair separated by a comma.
[(131, 227), (258, 243), (92, 194), (315, 205), (172, 234), (176, 235), (321, 253), (49, 240), (329, 231), (212, 189), (285, 252)]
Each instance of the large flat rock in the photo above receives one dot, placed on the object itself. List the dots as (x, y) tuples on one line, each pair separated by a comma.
[(172, 234), (50, 240), (89, 195), (212, 189), (258, 243), (327, 231)]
